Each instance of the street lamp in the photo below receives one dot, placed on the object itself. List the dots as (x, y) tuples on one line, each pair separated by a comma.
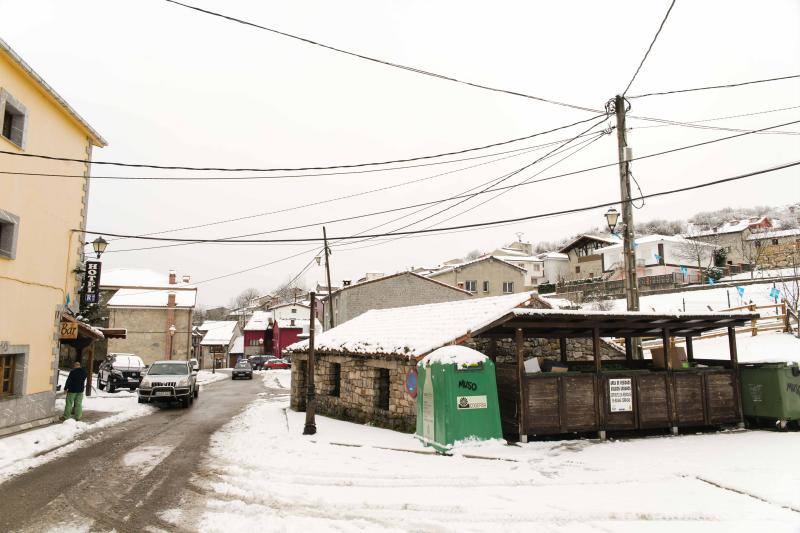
[(99, 245), (612, 215), (318, 259), (171, 339)]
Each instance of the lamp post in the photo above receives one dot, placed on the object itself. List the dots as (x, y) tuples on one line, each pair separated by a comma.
[(99, 245), (612, 216), (171, 339), (629, 274)]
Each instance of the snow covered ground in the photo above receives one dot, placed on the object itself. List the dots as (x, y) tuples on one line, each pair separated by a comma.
[(762, 274), (350, 477), (204, 377), (763, 348)]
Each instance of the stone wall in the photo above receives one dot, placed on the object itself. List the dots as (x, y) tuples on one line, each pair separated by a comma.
[(358, 390), (148, 335), (577, 349)]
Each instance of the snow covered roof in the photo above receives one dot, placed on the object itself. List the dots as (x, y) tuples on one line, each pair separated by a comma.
[(298, 304), (152, 298), (663, 239), (238, 345), (463, 356), (774, 234), (139, 277), (734, 226), (403, 273), (574, 242), (526, 258), (450, 268), (218, 332), (260, 321), (553, 255), (414, 331)]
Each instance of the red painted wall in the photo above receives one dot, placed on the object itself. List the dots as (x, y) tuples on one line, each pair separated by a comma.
[(250, 336), (283, 337)]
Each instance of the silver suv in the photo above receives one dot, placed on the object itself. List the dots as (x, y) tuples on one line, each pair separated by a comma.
[(168, 381)]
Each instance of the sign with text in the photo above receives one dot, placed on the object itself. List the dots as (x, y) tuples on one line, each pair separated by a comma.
[(620, 395), (69, 330), (471, 402), (91, 283)]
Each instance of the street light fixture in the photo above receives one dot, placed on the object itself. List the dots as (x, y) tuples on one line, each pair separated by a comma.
[(99, 245), (318, 259), (172, 331), (612, 216)]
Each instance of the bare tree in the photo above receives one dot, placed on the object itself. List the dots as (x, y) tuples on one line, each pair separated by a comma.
[(698, 253), (244, 298), (474, 254)]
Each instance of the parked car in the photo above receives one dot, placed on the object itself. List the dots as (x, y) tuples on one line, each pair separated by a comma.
[(120, 371), (276, 363), (168, 381), (242, 370), (257, 361), (194, 365)]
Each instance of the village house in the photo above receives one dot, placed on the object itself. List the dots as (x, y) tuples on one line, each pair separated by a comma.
[(520, 254), (775, 248), (155, 310), (555, 266), (287, 331), (396, 290), (40, 251), (485, 276), (362, 365), (290, 310), (584, 261), (217, 343), (732, 237), (659, 255), (257, 338)]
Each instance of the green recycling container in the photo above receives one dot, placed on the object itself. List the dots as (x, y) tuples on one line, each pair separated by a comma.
[(457, 398), (771, 391)]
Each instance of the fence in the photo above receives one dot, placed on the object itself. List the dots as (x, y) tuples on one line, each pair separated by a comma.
[(588, 288)]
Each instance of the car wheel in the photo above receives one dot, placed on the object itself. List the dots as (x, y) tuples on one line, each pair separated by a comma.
[(196, 392), (251, 376), (99, 384), (185, 402), (141, 400), (110, 385)]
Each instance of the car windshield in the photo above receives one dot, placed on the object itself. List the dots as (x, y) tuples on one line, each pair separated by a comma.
[(169, 369), (243, 364)]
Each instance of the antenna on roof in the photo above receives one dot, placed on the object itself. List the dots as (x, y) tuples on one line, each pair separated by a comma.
[(519, 235)]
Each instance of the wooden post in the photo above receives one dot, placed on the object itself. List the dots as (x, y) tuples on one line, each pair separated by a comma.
[(628, 349), (562, 344), (328, 276), (89, 365), (784, 312), (596, 350), (754, 322), (519, 341), (689, 349), (311, 424), (735, 368), (598, 383), (667, 345)]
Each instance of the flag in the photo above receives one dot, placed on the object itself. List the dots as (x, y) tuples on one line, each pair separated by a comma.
[(774, 293), (711, 281), (740, 290), (658, 257), (684, 271)]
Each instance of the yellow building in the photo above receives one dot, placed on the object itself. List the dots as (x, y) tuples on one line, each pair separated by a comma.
[(39, 252)]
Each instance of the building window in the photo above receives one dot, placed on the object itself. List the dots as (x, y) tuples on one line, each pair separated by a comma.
[(578, 269), (7, 370), (508, 287), (485, 286), (294, 309), (775, 242), (9, 230), (758, 244), (383, 389), (471, 285), (14, 120), (336, 379)]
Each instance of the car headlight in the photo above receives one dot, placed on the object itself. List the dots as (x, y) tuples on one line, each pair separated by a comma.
[(183, 382), (145, 383)]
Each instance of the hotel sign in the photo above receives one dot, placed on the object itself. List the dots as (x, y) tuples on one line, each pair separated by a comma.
[(91, 283)]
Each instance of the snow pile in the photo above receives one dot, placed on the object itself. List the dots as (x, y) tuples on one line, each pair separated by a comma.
[(152, 298), (204, 377), (768, 347), (458, 355), (413, 331)]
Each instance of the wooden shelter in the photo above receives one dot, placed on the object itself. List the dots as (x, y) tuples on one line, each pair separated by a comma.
[(599, 396)]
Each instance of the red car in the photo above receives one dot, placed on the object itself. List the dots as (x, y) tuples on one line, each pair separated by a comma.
[(276, 364)]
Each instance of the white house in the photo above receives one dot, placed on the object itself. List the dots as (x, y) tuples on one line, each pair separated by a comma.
[(290, 310), (533, 265), (661, 254)]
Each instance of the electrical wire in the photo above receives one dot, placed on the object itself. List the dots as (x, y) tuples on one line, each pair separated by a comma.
[(295, 169), (647, 156), (647, 53), (754, 113), (376, 60), (709, 87)]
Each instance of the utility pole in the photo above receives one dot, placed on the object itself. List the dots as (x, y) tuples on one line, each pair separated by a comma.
[(629, 254), (311, 424), (328, 274)]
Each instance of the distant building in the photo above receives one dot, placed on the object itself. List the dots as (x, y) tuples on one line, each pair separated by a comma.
[(290, 310), (732, 237), (396, 290), (155, 309), (258, 334), (533, 265), (555, 265), (287, 331), (584, 261), (217, 343), (774, 249), (661, 254), (485, 276)]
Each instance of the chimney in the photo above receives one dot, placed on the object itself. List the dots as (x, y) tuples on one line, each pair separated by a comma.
[(173, 277), (171, 299), (186, 278), (345, 283)]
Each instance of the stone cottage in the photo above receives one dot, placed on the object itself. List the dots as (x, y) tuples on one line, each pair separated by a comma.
[(361, 367)]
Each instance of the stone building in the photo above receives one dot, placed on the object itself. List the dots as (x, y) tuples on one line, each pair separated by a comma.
[(775, 249), (733, 237), (155, 310), (217, 346), (397, 290), (361, 366), (584, 261), (485, 276), (40, 249)]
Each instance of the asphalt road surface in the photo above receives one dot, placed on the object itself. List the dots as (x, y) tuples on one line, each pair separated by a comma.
[(129, 473)]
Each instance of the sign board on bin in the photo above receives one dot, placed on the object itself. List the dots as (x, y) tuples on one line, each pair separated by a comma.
[(620, 395)]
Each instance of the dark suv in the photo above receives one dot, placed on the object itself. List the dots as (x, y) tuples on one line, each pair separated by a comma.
[(257, 361), (120, 371)]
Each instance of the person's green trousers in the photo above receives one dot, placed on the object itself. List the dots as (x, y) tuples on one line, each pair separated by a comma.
[(74, 399)]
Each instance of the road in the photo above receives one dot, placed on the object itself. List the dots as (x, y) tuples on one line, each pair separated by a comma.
[(129, 474)]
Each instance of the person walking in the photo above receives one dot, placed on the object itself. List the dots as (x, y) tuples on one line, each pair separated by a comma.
[(75, 387)]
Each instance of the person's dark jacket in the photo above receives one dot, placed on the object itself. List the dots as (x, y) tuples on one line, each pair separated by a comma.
[(76, 381)]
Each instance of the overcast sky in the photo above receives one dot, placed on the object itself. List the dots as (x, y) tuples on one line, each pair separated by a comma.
[(166, 85)]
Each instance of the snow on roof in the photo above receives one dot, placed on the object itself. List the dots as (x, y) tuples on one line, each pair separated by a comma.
[(416, 330), (462, 356), (151, 298), (298, 304), (238, 345), (675, 239), (219, 332), (773, 234), (734, 226), (622, 314), (553, 255), (567, 247), (139, 277), (397, 274), (526, 258), (450, 268), (259, 321)]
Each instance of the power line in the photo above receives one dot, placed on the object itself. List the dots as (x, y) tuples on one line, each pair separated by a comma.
[(553, 213), (667, 123), (380, 61), (296, 169), (709, 87), (672, 150), (647, 53)]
